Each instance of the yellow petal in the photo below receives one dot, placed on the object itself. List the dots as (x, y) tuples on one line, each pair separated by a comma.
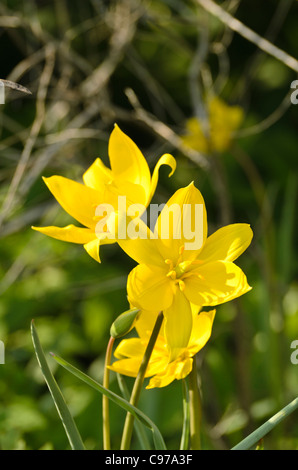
[(70, 233), (130, 353), (227, 243), (97, 175), (135, 193), (178, 324), (194, 137), (76, 199), (145, 322), (127, 161), (148, 288), (132, 347), (129, 367), (183, 221), (215, 283), (177, 369), (144, 248), (201, 331), (165, 159), (92, 249), (162, 380)]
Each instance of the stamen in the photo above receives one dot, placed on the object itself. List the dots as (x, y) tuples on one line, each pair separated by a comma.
[(170, 263), (181, 250), (172, 274), (181, 285)]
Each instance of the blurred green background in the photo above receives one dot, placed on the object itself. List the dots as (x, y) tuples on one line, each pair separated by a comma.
[(144, 64)]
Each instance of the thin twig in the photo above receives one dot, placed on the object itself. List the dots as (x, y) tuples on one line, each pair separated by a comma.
[(164, 131), (35, 129), (249, 34)]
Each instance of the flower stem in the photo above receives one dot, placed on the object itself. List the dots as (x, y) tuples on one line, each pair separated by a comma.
[(186, 417), (105, 400), (195, 409), (136, 391)]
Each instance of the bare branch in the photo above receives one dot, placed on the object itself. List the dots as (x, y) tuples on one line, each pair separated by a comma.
[(249, 34)]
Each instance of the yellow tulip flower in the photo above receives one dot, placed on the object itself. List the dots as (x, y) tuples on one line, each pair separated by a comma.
[(128, 176), (171, 275), (161, 368), (223, 120)]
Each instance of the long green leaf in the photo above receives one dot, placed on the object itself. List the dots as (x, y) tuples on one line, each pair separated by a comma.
[(140, 430), (157, 437), (63, 411), (256, 435)]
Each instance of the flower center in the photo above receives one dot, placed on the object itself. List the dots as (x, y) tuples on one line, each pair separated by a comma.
[(177, 271), (181, 270)]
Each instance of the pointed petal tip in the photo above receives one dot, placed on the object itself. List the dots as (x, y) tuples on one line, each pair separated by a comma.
[(92, 249), (116, 128), (37, 229), (47, 180), (168, 159)]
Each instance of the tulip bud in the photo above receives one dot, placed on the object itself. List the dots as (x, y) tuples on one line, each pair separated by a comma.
[(124, 323)]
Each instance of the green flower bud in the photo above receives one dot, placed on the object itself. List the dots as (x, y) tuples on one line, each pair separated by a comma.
[(124, 323)]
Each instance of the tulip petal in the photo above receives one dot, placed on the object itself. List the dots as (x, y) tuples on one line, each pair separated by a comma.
[(178, 324), (227, 243), (70, 233), (97, 175), (129, 366), (178, 369), (132, 347), (215, 283), (182, 222), (201, 331), (163, 379), (145, 323), (127, 161), (148, 288), (165, 159), (76, 199), (138, 242), (92, 249), (134, 193)]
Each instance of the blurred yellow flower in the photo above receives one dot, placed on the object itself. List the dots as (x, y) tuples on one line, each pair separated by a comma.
[(161, 368), (222, 122), (129, 176), (171, 275)]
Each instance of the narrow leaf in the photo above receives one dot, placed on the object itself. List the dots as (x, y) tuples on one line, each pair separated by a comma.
[(259, 433), (63, 411), (157, 437), (140, 431)]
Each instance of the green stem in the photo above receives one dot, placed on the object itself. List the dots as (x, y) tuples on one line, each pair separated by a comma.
[(195, 409), (136, 391), (105, 400), (186, 416)]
